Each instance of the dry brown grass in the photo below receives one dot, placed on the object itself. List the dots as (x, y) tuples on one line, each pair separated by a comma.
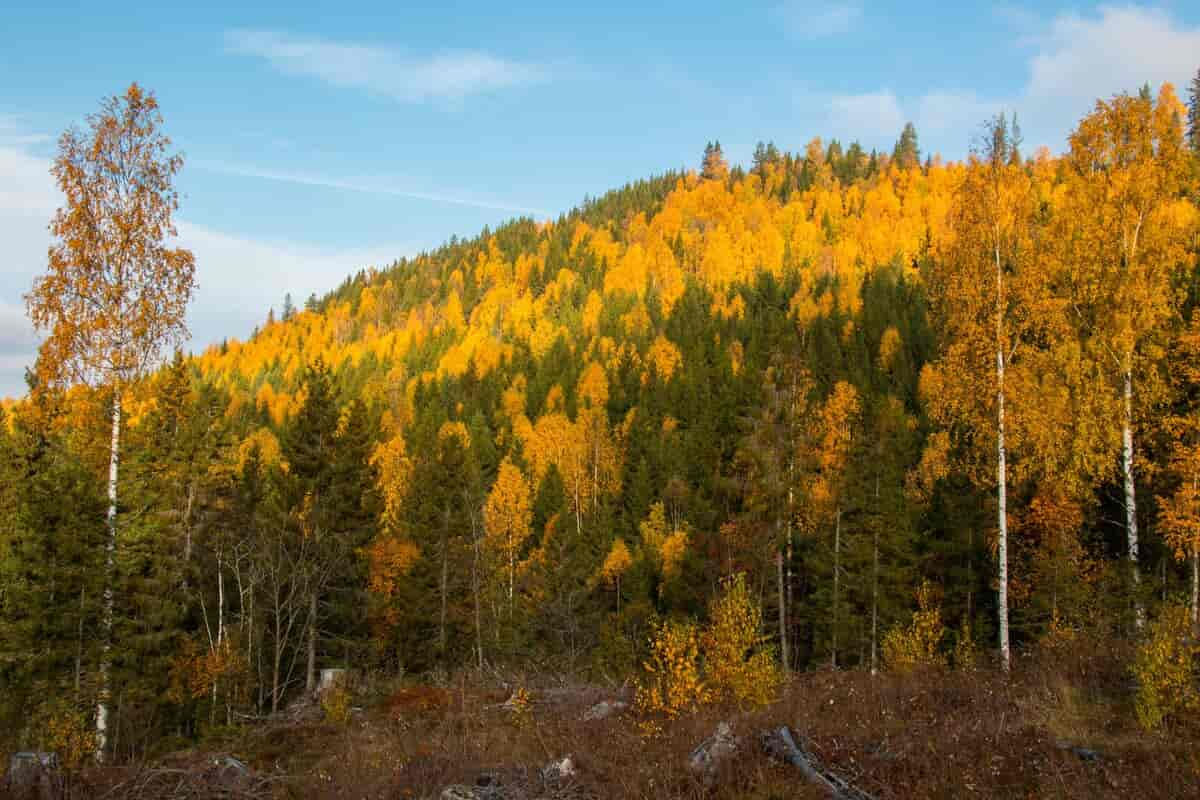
[(935, 734)]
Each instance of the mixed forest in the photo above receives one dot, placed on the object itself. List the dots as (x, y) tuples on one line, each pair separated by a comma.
[(860, 411)]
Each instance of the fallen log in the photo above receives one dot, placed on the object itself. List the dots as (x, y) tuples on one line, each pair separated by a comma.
[(780, 745)]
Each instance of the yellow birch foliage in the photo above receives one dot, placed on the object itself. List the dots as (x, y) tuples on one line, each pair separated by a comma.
[(393, 468), (671, 683), (916, 645), (739, 665), (664, 542), (616, 563), (1166, 669), (269, 452), (507, 516)]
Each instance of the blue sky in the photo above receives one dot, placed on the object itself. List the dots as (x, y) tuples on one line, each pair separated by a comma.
[(321, 138)]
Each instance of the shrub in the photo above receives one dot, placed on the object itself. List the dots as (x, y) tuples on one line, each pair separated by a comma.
[(916, 645), (520, 708), (1165, 669), (966, 652), (671, 684), (69, 732), (335, 702), (739, 665)]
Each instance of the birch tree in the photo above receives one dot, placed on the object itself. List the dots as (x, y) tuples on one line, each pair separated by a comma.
[(1125, 227), (508, 515), (114, 295), (987, 294)]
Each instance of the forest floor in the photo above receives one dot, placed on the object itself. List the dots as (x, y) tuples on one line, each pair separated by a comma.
[(1057, 727)]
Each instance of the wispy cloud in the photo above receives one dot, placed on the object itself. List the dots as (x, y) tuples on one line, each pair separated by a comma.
[(1081, 58), (808, 20), (14, 134), (364, 186), (443, 77)]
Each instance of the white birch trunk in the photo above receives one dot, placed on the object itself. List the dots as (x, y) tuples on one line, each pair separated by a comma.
[(1196, 585), (110, 557), (783, 636), (1131, 524), (1001, 469)]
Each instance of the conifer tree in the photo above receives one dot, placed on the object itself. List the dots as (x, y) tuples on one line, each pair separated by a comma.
[(906, 154), (1193, 114), (714, 167)]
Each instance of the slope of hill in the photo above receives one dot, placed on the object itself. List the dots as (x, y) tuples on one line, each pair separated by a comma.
[(860, 393)]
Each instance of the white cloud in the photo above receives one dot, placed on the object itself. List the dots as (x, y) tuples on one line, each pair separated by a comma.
[(1082, 58), (807, 20), (446, 77), (867, 116), (1074, 60)]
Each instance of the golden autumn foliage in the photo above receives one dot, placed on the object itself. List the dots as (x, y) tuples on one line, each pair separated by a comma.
[(720, 234), (739, 664), (114, 294), (665, 357), (917, 645), (195, 670), (389, 559), (616, 563), (671, 685), (394, 468), (507, 515), (66, 731), (664, 541), (455, 430), (726, 661), (818, 381), (593, 387), (265, 445), (1167, 669)]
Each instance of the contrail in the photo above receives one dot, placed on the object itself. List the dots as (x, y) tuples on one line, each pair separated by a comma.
[(365, 188)]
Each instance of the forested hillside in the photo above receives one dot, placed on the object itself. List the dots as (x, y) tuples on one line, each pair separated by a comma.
[(872, 383)]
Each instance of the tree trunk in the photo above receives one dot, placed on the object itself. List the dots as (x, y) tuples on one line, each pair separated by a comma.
[(837, 574), (310, 676), (79, 645), (475, 587), (788, 553), (278, 659), (1196, 585), (1131, 524), (783, 632), (445, 580), (875, 583), (110, 559), (1001, 470), (220, 624)]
